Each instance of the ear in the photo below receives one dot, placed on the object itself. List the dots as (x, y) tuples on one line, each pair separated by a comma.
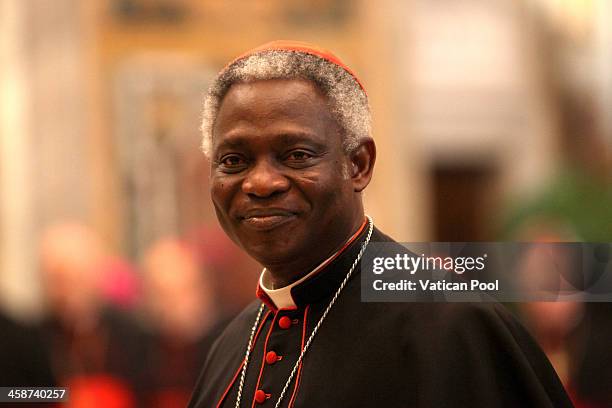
[(362, 160)]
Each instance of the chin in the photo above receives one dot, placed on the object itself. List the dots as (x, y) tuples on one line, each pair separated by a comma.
[(272, 252)]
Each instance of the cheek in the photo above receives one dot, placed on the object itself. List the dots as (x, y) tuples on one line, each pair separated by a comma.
[(221, 193), (323, 189)]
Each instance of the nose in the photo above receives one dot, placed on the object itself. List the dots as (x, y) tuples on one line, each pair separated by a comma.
[(264, 180)]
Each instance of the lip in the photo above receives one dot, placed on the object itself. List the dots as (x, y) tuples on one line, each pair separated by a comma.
[(265, 219)]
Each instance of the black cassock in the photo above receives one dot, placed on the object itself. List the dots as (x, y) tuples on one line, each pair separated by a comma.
[(378, 354)]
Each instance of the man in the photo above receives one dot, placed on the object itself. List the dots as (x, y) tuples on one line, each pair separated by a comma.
[(287, 128)]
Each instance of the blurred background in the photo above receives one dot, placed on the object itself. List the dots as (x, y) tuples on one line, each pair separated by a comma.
[(493, 121)]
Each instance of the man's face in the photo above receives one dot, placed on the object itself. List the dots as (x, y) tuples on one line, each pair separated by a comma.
[(279, 182)]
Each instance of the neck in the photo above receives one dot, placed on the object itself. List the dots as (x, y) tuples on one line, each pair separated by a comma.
[(284, 274)]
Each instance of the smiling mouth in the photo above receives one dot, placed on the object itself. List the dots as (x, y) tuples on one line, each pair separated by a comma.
[(263, 221)]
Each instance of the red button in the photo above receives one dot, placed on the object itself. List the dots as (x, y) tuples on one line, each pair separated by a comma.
[(284, 322), (260, 396), (271, 357)]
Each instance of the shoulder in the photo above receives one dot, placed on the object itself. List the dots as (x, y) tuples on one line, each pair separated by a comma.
[(379, 236), (246, 316), (466, 354), (476, 321), (237, 330), (458, 326), (448, 318), (488, 346), (229, 347), (224, 357)]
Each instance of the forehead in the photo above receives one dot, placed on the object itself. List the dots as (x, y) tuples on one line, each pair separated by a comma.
[(282, 107)]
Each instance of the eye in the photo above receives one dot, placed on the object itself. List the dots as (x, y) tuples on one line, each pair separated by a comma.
[(298, 156), (232, 162)]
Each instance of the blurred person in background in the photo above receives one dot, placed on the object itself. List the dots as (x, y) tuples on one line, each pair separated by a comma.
[(229, 269), (24, 359), (120, 284), (575, 206), (575, 336), (553, 323), (94, 349), (180, 316)]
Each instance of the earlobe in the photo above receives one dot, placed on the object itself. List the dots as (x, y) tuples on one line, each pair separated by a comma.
[(363, 158)]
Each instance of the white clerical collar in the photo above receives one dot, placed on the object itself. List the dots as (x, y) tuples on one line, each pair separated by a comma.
[(281, 297)]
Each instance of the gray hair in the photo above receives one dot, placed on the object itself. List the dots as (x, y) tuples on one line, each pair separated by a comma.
[(348, 101)]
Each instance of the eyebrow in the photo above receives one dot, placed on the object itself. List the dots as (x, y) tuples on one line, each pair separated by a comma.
[(232, 143), (297, 137), (285, 139)]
